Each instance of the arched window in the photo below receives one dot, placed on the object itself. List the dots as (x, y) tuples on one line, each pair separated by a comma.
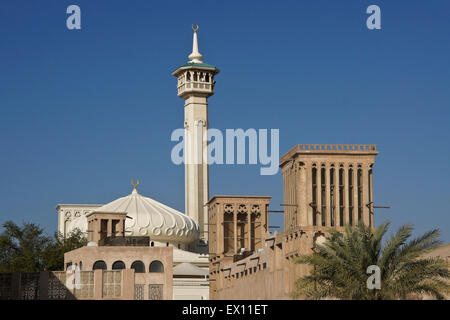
[(188, 76), (152, 244), (100, 264), (195, 76), (138, 267), (118, 265), (156, 266), (207, 77)]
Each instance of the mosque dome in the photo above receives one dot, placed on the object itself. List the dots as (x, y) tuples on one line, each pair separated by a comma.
[(147, 217)]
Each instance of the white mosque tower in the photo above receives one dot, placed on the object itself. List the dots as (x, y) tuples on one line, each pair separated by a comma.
[(195, 85)]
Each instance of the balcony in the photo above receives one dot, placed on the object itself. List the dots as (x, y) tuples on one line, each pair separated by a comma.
[(195, 86), (125, 241)]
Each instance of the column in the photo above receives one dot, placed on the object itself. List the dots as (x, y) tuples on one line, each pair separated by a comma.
[(89, 232), (309, 197), (288, 209), (302, 203), (128, 284), (318, 195), (109, 234), (346, 196), (121, 228), (285, 199), (337, 204), (365, 195), (372, 222), (98, 284), (355, 194), (235, 227), (98, 232), (220, 233), (294, 198), (248, 227), (263, 223), (327, 196)]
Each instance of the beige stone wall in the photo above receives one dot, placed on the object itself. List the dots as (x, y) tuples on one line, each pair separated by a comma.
[(237, 222), (444, 253), (60, 285), (324, 186), (328, 185), (87, 256), (267, 274)]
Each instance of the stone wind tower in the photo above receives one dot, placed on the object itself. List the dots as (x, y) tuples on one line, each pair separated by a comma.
[(195, 85)]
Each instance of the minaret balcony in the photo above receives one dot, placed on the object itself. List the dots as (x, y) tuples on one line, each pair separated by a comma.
[(201, 87)]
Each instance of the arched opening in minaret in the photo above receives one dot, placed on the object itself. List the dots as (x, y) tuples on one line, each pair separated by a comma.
[(207, 77), (188, 76), (195, 76)]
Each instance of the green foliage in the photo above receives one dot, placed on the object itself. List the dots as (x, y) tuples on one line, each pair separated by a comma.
[(54, 255), (339, 265), (27, 249)]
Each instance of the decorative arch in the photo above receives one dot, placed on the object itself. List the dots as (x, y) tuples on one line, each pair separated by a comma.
[(156, 266), (118, 265), (138, 266), (99, 265)]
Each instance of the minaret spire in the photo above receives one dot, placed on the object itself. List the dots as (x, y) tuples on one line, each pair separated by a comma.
[(195, 56)]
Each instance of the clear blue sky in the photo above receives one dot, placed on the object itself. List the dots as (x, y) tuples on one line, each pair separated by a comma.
[(84, 112)]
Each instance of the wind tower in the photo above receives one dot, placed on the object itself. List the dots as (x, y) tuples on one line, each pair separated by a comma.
[(195, 85)]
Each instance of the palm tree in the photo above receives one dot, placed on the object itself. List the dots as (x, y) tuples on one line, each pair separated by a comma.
[(340, 265)]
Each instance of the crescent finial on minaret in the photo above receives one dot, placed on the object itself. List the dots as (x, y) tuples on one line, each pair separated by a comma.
[(195, 56)]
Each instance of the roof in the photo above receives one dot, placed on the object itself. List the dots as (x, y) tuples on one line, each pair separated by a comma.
[(240, 197), (62, 205), (441, 251), (188, 269), (152, 218), (201, 65), (193, 64)]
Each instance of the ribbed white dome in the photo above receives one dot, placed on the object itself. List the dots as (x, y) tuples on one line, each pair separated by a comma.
[(154, 219)]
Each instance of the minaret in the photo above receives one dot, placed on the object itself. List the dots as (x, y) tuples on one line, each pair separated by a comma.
[(195, 85)]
